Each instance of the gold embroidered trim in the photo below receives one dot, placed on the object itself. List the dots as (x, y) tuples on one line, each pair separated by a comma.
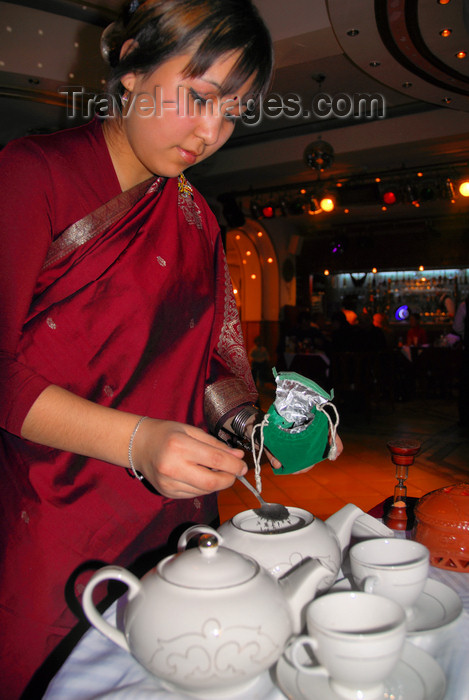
[(186, 202), (223, 396), (231, 343), (98, 221)]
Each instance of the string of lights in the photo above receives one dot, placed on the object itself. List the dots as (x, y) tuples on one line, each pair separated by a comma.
[(414, 187)]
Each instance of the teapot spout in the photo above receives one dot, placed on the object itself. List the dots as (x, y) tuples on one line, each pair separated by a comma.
[(299, 586), (351, 520), (342, 523)]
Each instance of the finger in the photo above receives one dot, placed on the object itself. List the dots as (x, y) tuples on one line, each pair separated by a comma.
[(184, 452), (217, 459), (275, 463), (201, 435), (191, 480), (273, 460)]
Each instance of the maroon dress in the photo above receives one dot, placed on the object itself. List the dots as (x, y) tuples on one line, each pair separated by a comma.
[(140, 318)]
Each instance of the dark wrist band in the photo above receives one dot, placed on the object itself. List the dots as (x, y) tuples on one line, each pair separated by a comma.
[(235, 434), (239, 422)]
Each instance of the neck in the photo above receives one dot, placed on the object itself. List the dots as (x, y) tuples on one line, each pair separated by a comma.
[(129, 170)]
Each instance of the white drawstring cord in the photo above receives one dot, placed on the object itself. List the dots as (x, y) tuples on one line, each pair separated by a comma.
[(332, 454), (257, 455)]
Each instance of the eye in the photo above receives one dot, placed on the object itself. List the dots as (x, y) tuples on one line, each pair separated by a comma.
[(213, 105), (197, 97), (232, 108)]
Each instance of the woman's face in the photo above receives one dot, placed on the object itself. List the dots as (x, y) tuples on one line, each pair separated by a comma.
[(166, 123)]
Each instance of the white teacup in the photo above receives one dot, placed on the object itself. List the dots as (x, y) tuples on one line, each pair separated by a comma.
[(357, 640), (393, 568)]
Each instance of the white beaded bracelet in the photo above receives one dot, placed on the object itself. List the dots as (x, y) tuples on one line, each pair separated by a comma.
[(131, 442)]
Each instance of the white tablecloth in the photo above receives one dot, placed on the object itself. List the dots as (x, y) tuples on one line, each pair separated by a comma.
[(99, 669)]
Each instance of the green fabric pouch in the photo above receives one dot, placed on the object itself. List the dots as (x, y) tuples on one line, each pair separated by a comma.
[(300, 442)]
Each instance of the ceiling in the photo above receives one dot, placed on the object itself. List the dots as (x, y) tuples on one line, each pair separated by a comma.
[(389, 50)]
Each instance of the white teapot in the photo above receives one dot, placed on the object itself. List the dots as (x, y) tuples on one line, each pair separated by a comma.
[(208, 620), (282, 545)]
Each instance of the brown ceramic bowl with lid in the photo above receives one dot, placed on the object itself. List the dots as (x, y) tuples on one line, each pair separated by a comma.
[(442, 525)]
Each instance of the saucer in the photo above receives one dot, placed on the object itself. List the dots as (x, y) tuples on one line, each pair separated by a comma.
[(417, 676), (437, 607)]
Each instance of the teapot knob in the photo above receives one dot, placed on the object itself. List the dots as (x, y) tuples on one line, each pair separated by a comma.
[(208, 544)]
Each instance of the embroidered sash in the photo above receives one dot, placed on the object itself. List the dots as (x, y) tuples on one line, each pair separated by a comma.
[(97, 221)]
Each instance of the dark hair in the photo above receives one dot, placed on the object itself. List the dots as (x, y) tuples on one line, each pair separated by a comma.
[(210, 28)]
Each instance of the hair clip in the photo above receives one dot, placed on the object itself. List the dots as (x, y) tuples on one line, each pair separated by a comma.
[(134, 6), (104, 41)]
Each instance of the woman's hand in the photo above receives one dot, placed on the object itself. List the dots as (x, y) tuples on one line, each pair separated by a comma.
[(339, 448), (182, 461)]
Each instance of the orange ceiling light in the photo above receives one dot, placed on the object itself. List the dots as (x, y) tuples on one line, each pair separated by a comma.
[(327, 204), (464, 188)]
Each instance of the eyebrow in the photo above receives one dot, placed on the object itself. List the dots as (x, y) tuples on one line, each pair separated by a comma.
[(212, 82)]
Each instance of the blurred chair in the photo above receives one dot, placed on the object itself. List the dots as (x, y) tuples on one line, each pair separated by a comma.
[(313, 367), (362, 379), (437, 371)]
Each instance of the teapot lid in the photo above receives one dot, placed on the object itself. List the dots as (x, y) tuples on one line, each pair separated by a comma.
[(208, 566)]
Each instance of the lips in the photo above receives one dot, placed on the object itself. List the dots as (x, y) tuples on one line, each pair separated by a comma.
[(189, 157)]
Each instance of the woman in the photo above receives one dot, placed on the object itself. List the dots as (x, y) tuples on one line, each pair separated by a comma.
[(121, 360), (114, 314)]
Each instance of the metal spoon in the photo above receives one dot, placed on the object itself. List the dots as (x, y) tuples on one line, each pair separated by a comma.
[(268, 511)]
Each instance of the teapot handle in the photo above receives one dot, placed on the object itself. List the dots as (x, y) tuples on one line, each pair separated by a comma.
[(197, 530), (116, 573)]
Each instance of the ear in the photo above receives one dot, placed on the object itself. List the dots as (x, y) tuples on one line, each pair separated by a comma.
[(128, 81)]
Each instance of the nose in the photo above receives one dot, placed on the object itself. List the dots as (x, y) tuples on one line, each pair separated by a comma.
[(209, 127)]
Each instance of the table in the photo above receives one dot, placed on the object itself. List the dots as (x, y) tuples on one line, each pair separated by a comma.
[(99, 669)]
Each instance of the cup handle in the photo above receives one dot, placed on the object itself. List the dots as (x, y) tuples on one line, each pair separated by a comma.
[(294, 651), (116, 573), (370, 584)]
